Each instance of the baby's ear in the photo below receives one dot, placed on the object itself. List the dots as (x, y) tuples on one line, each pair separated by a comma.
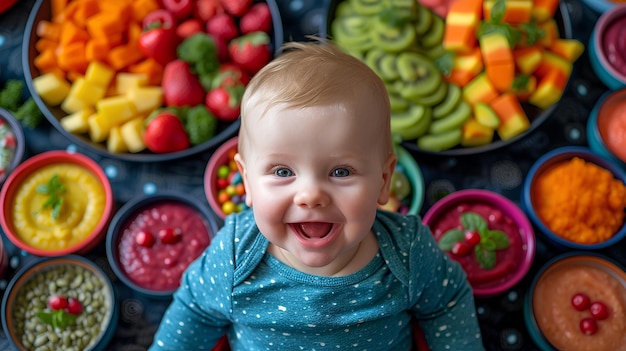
[(388, 169), (241, 166)]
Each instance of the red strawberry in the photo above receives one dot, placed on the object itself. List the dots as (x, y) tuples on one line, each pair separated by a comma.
[(229, 72), (179, 8), (205, 9), (236, 7), (165, 133), (225, 101), (159, 40), (189, 27), (257, 18), (180, 86), (222, 26), (251, 51)]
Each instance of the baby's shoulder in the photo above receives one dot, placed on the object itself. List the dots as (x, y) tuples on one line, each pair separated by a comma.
[(401, 231)]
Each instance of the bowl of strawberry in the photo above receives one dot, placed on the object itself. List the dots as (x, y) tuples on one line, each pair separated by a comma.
[(59, 303), (148, 80), (487, 234), (577, 301), (153, 238)]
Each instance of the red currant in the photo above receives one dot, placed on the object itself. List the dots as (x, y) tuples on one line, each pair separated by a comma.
[(170, 236), (461, 248), (144, 238), (57, 302), (581, 301), (588, 326), (74, 306), (599, 310), (472, 237)]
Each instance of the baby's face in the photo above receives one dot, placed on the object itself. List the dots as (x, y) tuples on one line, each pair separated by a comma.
[(314, 178)]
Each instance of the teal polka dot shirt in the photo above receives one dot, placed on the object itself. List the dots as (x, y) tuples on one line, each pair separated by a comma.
[(238, 289)]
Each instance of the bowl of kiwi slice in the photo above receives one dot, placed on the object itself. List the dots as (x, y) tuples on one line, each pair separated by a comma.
[(451, 94)]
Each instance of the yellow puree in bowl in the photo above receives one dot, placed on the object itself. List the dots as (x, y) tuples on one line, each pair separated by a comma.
[(80, 213)]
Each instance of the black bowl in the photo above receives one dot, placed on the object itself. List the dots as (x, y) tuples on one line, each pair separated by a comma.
[(41, 11), (536, 115)]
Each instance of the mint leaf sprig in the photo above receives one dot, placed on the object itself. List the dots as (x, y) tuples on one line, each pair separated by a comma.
[(490, 240), (54, 188), (57, 319)]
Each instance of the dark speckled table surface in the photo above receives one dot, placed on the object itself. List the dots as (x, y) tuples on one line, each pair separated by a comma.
[(502, 171)]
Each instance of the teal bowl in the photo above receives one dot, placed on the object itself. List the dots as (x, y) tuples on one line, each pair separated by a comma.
[(26, 302), (614, 78), (598, 126)]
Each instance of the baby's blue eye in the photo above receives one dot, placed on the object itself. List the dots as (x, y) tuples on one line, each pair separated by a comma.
[(341, 172), (283, 172)]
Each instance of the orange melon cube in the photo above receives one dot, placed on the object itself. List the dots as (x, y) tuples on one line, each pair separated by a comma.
[(495, 48), (549, 89), (528, 58), (501, 75), (475, 134), (544, 9), (513, 119), (466, 67), (569, 49)]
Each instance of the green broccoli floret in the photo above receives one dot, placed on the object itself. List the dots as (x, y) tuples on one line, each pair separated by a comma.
[(11, 94), (200, 124), (29, 114), (200, 51)]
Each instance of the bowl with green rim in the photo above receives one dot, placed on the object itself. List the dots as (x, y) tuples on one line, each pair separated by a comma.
[(59, 303)]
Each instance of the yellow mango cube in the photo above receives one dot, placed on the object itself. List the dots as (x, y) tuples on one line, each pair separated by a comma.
[(87, 91), (77, 122), (51, 88), (98, 131), (146, 99), (125, 81), (73, 104), (115, 110), (115, 141), (132, 133), (99, 74)]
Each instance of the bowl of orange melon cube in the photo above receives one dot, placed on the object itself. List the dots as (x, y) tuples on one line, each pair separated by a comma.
[(481, 78), (98, 71)]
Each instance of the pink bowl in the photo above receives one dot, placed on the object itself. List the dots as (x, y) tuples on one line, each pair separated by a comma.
[(509, 209), (34, 163), (219, 158)]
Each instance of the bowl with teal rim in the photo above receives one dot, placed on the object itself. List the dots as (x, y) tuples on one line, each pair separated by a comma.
[(12, 144), (356, 28), (546, 165), (407, 185), (41, 12), (607, 53), (452, 218), (576, 301), (59, 303), (153, 238), (601, 6), (606, 127)]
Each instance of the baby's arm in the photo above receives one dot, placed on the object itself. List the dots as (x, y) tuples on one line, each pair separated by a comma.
[(197, 316), (445, 307)]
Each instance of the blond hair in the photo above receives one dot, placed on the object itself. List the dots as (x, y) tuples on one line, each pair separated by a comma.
[(317, 74)]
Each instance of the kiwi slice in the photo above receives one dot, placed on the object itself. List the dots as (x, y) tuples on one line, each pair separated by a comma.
[(419, 75), (383, 63), (344, 9), (441, 141), (433, 98), (398, 103), (434, 35), (391, 38), (367, 7), (448, 104), (352, 31), (454, 120), (424, 19), (411, 123)]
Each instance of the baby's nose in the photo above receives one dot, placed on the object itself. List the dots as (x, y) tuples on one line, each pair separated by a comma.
[(312, 196)]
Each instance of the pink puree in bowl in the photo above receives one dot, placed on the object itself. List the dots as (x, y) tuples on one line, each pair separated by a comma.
[(614, 44), (160, 266), (507, 260)]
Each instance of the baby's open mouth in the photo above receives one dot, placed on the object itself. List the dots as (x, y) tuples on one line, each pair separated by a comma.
[(314, 230)]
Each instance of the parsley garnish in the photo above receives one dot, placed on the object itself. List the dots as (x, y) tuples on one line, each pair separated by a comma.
[(53, 189), (490, 240)]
